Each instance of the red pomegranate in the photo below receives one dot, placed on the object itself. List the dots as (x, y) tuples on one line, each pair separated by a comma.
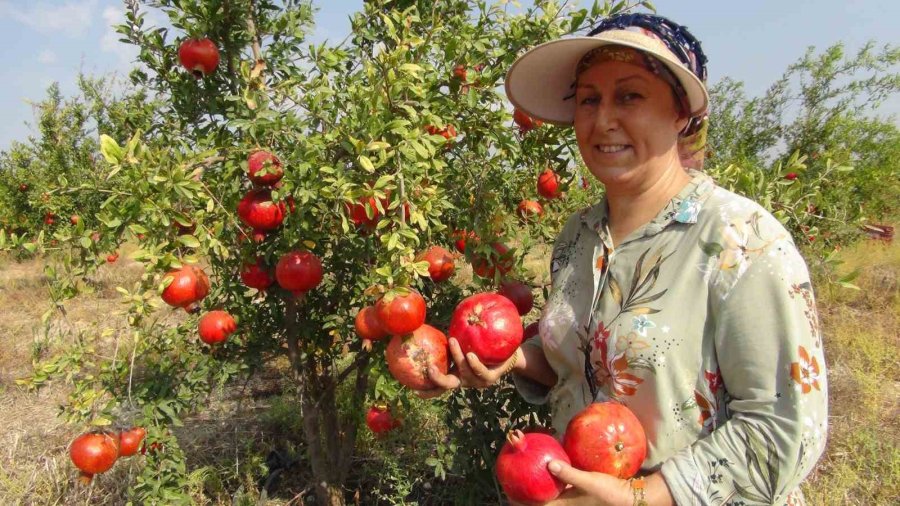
[(112, 257), (130, 441), (258, 211), (440, 263), (216, 326), (448, 132), (359, 216), (401, 313), (522, 467), (409, 356), (299, 271), (548, 184), (94, 452), (520, 295), (380, 420), (525, 122), (257, 275), (74, 219), (189, 285), (488, 325), (606, 437), (460, 237), (200, 56), (487, 267), (368, 326), (264, 168), (530, 210), (531, 330), (459, 72)]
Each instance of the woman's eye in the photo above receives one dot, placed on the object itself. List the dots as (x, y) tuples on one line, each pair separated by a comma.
[(588, 101), (629, 97)]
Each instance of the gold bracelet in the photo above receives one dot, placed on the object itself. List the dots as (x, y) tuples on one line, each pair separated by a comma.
[(637, 492)]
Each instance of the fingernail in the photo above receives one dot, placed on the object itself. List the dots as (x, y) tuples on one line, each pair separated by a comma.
[(555, 467)]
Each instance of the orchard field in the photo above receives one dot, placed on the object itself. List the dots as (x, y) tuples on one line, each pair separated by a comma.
[(267, 191)]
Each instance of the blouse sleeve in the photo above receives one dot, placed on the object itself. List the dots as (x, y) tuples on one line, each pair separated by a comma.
[(532, 391), (770, 355)]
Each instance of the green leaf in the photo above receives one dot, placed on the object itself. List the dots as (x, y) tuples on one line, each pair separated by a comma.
[(189, 241), (110, 149), (366, 163)]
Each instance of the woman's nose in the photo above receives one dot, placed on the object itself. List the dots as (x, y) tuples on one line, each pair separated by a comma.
[(607, 117)]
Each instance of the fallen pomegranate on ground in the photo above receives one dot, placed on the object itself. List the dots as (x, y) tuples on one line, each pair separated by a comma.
[(401, 313), (488, 325), (216, 326), (522, 467), (409, 357), (380, 420), (200, 56), (606, 437), (188, 287), (93, 453), (130, 441)]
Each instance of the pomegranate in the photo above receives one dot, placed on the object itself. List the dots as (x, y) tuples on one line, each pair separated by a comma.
[(380, 420), (299, 271), (130, 441), (522, 467), (440, 263), (548, 184), (112, 257), (460, 237), (49, 218), (264, 168), (606, 437), (74, 219), (525, 122), (531, 330), (189, 285), (409, 356), (368, 326), (520, 295), (790, 176), (216, 326), (401, 314), (200, 56), (258, 211), (94, 452), (487, 267), (530, 210), (23, 187), (257, 275), (488, 325), (459, 72), (448, 132), (359, 216)]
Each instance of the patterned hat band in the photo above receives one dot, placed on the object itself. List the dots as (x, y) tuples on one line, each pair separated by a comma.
[(634, 57)]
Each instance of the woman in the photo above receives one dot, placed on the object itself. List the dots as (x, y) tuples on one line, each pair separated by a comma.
[(687, 303)]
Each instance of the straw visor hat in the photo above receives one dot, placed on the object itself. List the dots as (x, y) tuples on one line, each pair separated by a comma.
[(540, 80)]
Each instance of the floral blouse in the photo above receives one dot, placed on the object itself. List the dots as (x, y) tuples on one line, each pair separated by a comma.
[(703, 323)]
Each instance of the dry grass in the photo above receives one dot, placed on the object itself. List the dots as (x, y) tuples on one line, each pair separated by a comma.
[(229, 438)]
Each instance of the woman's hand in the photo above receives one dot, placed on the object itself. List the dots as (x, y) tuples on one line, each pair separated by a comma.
[(589, 488), (469, 373)]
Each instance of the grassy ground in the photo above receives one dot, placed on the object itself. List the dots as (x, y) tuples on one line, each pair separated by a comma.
[(227, 442)]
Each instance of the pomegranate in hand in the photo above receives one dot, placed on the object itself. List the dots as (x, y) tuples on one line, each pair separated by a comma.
[(606, 437), (522, 467)]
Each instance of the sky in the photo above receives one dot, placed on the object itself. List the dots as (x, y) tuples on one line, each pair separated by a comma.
[(753, 41)]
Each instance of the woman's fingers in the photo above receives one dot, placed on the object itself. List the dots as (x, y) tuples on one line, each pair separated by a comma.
[(481, 371), (462, 365)]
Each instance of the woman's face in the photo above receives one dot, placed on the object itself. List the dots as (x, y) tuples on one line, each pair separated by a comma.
[(626, 124)]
